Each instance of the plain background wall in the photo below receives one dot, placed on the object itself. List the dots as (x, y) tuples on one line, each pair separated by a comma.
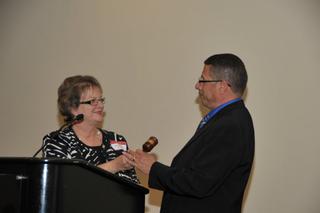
[(148, 55)]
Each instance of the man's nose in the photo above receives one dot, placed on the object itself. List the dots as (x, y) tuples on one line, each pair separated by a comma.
[(197, 86)]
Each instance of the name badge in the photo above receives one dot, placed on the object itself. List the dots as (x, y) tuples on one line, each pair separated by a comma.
[(119, 145)]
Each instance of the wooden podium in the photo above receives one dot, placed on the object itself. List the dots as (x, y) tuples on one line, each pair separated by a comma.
[(33, 185)]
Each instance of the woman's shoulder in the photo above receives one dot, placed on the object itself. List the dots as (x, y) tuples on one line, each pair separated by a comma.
[(61, 136)]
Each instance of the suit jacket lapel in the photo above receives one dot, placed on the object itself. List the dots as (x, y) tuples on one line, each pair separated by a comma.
[(199, 132)]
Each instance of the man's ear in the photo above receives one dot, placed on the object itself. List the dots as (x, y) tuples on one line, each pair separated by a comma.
[(224, 86)]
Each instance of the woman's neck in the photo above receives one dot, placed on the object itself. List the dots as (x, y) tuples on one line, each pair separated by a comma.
[(88, 134)]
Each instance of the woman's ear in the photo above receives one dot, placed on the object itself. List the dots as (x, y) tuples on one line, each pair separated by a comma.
[(74, 111)]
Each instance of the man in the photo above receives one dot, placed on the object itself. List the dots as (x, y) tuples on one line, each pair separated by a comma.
[(211, 171)]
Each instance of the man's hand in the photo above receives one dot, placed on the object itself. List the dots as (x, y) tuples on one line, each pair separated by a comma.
[(141, 160)]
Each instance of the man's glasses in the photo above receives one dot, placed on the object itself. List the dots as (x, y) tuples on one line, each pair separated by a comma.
[(211, 81), (208, 81), (93, 102)]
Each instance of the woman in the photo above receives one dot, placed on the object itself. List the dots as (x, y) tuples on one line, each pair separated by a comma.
[(85, 140)]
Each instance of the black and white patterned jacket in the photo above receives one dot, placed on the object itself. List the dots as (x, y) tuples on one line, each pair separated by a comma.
[(66, 145)]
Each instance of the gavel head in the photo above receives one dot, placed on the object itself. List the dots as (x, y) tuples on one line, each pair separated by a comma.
[(149, 144)]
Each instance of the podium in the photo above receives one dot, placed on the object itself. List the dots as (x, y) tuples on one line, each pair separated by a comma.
[(33, 185)]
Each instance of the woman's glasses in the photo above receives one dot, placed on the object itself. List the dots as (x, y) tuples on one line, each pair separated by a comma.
[(94, 101)]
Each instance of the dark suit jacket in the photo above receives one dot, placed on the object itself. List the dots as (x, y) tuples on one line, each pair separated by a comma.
[(210, 173)]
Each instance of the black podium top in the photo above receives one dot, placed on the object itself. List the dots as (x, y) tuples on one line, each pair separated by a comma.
[(63, 186)]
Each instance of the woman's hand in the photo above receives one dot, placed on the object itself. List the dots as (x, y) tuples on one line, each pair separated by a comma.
[(120, 163)]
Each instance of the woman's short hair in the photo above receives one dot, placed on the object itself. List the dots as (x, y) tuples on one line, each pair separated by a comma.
[(70, 91)]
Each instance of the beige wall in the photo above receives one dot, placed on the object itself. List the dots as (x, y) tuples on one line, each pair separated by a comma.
[(148, 55)]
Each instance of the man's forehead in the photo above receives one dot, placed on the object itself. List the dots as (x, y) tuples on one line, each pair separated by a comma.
[(206, 72)]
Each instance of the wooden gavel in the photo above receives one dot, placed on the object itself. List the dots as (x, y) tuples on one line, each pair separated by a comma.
[(149, 144)]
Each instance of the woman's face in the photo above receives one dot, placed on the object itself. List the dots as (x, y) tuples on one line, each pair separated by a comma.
[(91, 106)]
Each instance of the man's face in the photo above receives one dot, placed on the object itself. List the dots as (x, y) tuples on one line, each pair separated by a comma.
[(208, 91)]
